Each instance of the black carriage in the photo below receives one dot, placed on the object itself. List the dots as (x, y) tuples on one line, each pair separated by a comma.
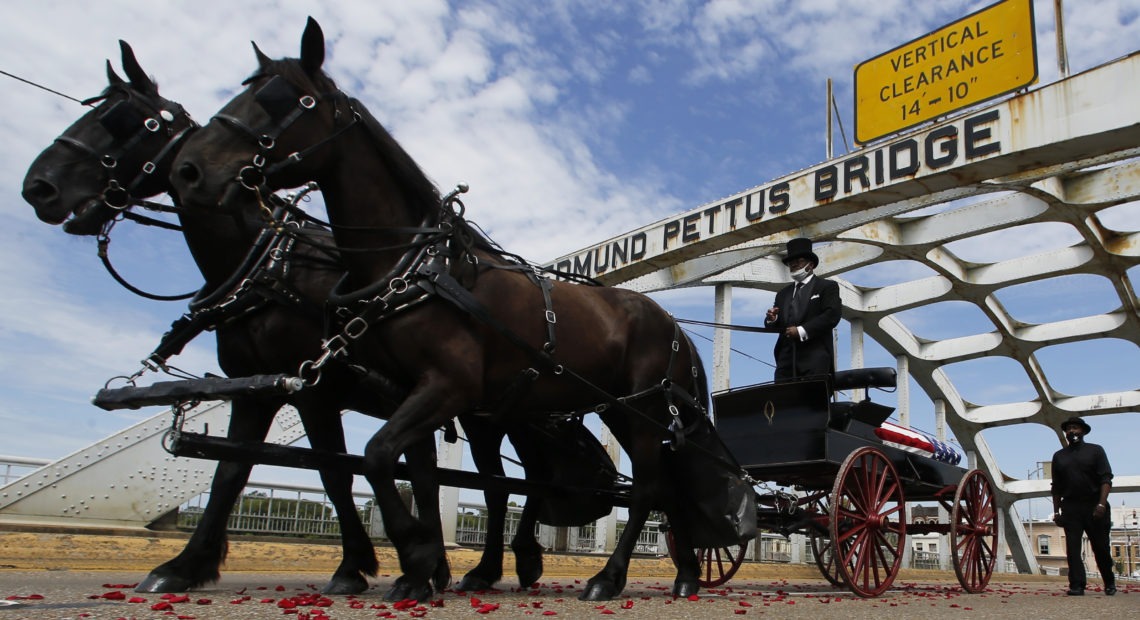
[(850, 486)]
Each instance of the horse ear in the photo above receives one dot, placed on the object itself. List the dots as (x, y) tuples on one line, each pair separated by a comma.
[(112, 77), (312, 47), (262, 60), (139, 78)]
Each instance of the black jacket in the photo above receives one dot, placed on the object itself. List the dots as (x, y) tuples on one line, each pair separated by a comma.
[(816, 355), (1079, 470)]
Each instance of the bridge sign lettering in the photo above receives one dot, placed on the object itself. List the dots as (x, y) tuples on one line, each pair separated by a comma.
[(984, 55)]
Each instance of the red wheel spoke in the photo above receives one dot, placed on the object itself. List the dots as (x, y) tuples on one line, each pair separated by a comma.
[(725, 560), (973, 534), (866, 528)]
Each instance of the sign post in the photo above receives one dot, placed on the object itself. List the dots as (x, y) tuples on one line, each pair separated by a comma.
[(981, 56)]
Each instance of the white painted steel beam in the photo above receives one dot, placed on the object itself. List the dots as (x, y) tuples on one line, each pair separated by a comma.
[(127, 479), (1058, 155)]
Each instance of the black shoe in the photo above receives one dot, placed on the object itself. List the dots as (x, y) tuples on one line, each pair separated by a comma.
[(1109, 590), (1075, 592)]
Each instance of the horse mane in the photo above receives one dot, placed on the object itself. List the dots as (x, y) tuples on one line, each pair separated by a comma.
[(413, 183)]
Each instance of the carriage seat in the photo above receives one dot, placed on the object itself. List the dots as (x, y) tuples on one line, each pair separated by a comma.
[(863, 378), (865, 411)]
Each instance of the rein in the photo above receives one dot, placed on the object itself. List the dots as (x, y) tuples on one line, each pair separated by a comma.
[(104, 241)]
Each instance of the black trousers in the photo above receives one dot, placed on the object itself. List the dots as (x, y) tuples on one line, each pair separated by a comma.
[(1078, 520)]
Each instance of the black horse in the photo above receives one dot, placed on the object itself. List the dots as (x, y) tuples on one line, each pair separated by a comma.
[(119, 153), (465, 325)]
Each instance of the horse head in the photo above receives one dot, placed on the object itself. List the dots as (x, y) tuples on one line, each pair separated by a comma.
[(270, 136), (114, 155)]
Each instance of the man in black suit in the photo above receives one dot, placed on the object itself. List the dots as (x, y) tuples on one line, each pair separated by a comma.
[(1082, 480), (804, 314)]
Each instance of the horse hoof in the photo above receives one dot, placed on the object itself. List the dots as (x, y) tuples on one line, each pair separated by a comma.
[(529, 570), (473, 583), (685, 589), (529, 576), (345, 585), (404, 590), (398, 591), (442, 576), (162, 584), (600, 591)]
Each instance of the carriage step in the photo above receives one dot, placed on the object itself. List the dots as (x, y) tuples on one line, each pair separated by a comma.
[(209, 388)]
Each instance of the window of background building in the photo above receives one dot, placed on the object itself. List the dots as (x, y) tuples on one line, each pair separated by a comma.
[(1043, 544)]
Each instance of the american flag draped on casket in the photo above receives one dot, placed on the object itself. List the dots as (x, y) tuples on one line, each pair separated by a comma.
[(917, 442)]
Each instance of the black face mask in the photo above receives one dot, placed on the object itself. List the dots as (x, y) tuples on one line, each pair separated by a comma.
[(1073, 437)]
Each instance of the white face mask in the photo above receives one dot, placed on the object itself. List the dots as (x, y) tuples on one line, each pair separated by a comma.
[(800, 274)]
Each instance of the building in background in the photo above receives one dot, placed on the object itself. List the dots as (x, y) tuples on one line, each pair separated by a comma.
[(1048, 542)]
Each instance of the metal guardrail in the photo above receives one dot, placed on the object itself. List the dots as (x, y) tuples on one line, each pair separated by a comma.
[(303, 511), (13, 468)]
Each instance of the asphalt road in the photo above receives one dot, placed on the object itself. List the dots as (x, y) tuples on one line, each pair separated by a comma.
[(70, 575), (60, 594)]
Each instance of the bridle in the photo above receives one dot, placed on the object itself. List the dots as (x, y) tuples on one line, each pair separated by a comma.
[(128, 123), (284, 104)]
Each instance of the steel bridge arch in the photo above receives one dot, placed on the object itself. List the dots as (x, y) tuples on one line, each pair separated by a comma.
[(1068, 153)]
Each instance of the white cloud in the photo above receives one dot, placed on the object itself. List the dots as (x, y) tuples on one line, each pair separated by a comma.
[(573, 121)]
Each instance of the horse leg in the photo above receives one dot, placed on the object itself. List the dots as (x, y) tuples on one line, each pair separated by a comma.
[(417, 541), (645, 459), (688, 568), (528, 553), (485, 444), (421, 460), (358, 556), (198, 563)]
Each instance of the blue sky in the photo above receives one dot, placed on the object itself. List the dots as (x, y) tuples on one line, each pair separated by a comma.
[(573, 122)]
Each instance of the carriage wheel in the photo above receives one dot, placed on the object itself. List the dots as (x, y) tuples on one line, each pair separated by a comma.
[(717, 565), (973, 531), (821, 547), (867, 526)]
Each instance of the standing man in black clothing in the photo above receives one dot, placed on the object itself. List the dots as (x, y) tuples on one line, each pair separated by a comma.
[(1082, 479), (804, 314)]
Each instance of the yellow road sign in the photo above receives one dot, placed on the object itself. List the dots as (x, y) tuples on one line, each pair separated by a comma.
[(981, 56)]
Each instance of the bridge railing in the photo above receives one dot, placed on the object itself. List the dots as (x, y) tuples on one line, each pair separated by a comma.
[(296, 510), (13, 468)]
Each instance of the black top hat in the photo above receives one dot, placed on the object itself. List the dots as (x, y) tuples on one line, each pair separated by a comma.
[(801, 247), (1079, 422)]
